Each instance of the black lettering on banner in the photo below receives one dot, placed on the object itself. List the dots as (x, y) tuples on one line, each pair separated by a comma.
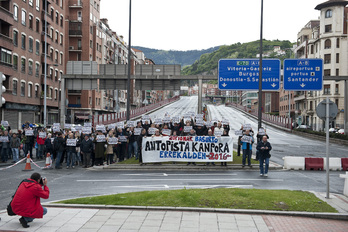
[(167, 145), (220, 147), (227, 149), (182, 145), (158, 145), (187, 147), (163, 147), (176, 147), (194, 149)]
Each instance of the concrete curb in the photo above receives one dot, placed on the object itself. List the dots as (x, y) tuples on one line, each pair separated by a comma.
[(336, 216)]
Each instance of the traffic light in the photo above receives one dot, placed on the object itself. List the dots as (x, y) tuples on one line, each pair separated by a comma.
[(2, 89)]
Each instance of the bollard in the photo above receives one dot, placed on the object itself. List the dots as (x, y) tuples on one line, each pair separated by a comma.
[(345, 189), (28, 164)]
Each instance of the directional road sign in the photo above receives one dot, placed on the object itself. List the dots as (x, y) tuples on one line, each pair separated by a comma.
[(303, 74), (243, 74)]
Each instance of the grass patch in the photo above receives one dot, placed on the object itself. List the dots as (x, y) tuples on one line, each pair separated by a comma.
[(236, 160), (259, 199)]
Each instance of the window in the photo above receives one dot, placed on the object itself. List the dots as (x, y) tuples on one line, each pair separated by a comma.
[(327, 58), (78, 100), (79, 16), (30, 67), (79, 44), (56, 75), (51, 53), (15, 38), (6, 56), (61, 58), (327, 44), (336, 89), (24, 15), (52, 13), (30, 89), (61, 20), (23, 41), (337, 72), (15, 62), (15, 12), (22, 88), (37, 69), (61, 39), (57, 17), (30, 2), (14, 87), (327, 72), (37, 47), (37, 5), (337, 58), (36, 91), (50, 93), (328, 28), (91, 29), (91, 44), (326, 89), (31, 44), (30, 22), (37, 25), (57, 35), (51, 33), (312, 49), (56, 94), (328, 14), (23, 60), (90, 100), (338, 43)]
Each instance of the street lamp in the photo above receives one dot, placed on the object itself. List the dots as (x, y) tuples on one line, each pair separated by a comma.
[(260, 71), (45, 70), (129, 60)]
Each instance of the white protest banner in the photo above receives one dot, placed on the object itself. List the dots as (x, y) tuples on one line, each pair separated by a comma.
[(192, 114), (120, 125), (199, 122), (262, 131), (122, 139), (4, 123), (137, 131), (176, 119), (87, 130), (166, 120), (152, 130), (238, 132), (187, 149), (218, 132), (166, 132), (57, 124), (4, 139), (73, 129), (111, 127), (101, 138), (187, 120), (158, 121), (67, 126), (208, 124), (199, 116), (78, 128), (71, 142), (42, 135), (112, 140), (29, 133), (247, 127), (55, 129), (88, 124), (100, 128), (131, 124), (246, 139), (187, 115), (187, 129), (146, 118)]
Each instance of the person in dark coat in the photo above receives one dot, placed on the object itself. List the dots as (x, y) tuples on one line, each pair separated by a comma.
[(59, 147), (86, 148), (48, 145), (99, 150), (264, 148), (26, 202)]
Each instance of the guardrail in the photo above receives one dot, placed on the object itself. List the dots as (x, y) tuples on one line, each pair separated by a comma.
[(106, 119), (277, 120)]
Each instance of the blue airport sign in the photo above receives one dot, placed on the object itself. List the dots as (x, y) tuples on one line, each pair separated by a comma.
[(243, 74), (303, 74)]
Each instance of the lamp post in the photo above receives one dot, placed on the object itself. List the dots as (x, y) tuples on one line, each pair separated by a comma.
[(129, 60), (45, 70), (260, 71)]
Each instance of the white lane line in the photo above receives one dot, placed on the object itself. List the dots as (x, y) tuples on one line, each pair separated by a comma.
[(182, 186), (165, 174), (142, 180)]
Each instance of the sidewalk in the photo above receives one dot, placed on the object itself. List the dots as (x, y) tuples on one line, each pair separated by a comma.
[(105, 218)]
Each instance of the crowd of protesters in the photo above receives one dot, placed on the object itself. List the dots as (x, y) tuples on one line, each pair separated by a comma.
[(115, 143)]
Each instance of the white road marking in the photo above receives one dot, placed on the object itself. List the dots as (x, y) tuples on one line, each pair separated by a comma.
[(142, 180), (189, 174), (182, 186)]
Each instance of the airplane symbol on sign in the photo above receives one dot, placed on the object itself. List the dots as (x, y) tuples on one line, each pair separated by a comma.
[(302, 85), (273, 85), (224, 84)]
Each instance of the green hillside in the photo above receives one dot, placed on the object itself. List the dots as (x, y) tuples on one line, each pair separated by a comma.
[(183, 58), (207, 63)]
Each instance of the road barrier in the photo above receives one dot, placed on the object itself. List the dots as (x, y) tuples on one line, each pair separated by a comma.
[(314, 163), (335, 164), (345, 189), (311, 163), (344, 164), (294, 163), (20, 161)]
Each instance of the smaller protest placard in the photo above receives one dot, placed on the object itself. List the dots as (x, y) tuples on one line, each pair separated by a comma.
[(262, 131), (29, 132), (137, 131), (247, 127), (208, 124), (100, 128), (73, 129), (112, 140), (152, 130), (218, 132), (122, 139), (88, 124), (120, 125), (238, 132), (131, 124), (4, 139), (67, 126), (57, 124), (187, 115), (246, 139), (158, 121), (146, 118), (86, 130), (166, 132), (78, 128), (192, 114), (199, 122), (71, 142), (166, 119), (187, 129), (101, 138), (175, 119), (112, 126), (42, 135), (55, 129), (4, 123), (187, 120), (199, 116)]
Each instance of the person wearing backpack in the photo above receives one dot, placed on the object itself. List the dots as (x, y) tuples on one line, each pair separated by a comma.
[(26, 201)]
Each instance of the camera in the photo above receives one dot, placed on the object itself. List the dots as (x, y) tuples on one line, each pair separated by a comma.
[(41, 180)]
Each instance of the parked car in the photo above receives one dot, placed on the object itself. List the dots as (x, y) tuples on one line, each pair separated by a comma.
[(304, 127), (341, 131), (333, 130)]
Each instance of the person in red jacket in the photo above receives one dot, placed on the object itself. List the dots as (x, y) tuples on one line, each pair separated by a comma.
[(26, 202), (40, 139)]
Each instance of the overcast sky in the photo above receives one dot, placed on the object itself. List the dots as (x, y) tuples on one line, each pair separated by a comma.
[(201, 24)]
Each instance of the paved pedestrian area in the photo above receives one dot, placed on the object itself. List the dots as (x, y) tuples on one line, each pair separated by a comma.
[(91, 220)]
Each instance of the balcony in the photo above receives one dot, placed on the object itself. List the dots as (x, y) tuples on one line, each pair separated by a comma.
[(75, 33), (49, 17), (43, 57), (5, 41), (75, 49), (75, 4), (74, 92), (43, 37), (6, 15)]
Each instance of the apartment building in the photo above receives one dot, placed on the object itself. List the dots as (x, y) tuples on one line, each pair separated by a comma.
[(25, 26), (325, 39)]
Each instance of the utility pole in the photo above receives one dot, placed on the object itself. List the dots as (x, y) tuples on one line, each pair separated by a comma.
[(129, 61), (260, 71)]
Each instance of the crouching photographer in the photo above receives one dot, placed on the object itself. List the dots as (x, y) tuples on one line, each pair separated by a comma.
[(26, 201)]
